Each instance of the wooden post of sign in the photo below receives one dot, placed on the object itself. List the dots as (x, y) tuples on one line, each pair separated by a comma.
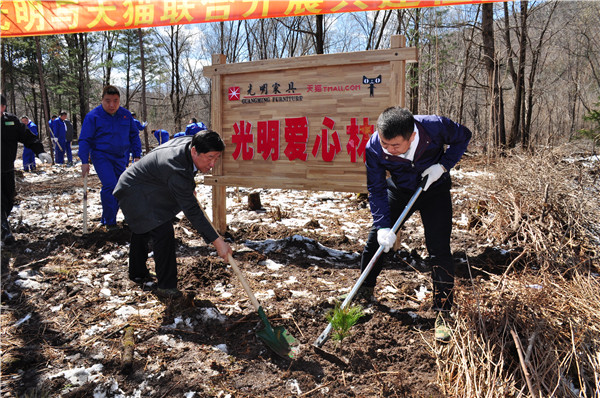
[(398, 84), (216, 117)]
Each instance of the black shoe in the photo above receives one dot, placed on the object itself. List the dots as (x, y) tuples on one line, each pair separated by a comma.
[(9, 239), (169, 293), (149, 277), (112, 227)]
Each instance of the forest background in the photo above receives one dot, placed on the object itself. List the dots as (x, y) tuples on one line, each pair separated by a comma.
[(516, 73)]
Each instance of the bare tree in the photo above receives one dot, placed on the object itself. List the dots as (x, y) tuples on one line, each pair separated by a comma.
[(494, 89)]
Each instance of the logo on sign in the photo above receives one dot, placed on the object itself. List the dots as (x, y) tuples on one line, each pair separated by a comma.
[(233, 93)]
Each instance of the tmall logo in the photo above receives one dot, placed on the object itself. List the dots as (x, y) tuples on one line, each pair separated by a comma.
[(372, 82)]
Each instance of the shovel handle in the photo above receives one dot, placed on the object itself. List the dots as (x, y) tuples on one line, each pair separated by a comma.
[(85, 204), (243, 280)]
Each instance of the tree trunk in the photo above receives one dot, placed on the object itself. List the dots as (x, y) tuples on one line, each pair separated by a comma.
[(465, 74), (489, 52), (516, 131), (320, 35), (143, 72), (45, 106)]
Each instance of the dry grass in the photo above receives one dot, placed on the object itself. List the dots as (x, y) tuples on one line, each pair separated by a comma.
[(533, 331)]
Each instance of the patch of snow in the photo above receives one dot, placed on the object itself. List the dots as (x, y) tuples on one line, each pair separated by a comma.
[(222, 347), (80, 376), (28, 284), (272, 265), (421, 293)]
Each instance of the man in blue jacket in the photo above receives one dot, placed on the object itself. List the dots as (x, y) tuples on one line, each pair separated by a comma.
[(194, 127), (107, 136), (411, 148), (161, 136), (28, 154), (59, 130)]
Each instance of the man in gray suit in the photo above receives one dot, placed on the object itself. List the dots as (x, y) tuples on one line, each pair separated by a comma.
[(153, 191)]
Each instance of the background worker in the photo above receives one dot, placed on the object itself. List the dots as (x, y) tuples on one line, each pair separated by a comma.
[(153, 191), (59, 131), (411, 148), (194, 127), (69, 136), (28, 154), (13, 132), (161, 136), (107, 136)]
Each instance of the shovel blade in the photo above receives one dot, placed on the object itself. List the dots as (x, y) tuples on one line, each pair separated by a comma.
[(277, 339), (280, 341)]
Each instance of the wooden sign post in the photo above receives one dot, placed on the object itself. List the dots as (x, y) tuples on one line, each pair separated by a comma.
[(301, 123)]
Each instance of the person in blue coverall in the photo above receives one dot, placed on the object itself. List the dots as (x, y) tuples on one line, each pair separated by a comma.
[(409, 148), (161, 136), (194, 127), (180, 134), (28, 154), (107, 136), (59, 130), (140, 127)]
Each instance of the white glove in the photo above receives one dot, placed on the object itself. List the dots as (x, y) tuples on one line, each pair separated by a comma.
[(433, 173), (44, 157), (144, 124), (55, 140), (386, 238)]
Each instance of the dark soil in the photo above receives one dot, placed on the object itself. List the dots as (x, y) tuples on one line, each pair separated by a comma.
[(75, 319)]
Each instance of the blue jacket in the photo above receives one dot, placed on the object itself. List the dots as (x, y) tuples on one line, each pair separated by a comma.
[(138, 125), (193, 128), (435, 133), (180, 134), (59, 129), (162, 136), (33, 127), (115, 135)]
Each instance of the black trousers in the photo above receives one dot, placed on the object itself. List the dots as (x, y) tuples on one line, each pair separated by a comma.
[(163, 245), (435, 207), (7, 192)]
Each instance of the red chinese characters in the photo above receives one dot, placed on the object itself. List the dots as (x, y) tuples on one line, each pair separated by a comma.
[(296, 138), (267, 135), (242, 139), (328, 152), (359, 136)]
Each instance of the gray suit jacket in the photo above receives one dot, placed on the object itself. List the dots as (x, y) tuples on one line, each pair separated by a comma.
[(153, 190)]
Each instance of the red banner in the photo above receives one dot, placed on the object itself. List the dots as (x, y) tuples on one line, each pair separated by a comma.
[(33, 18)]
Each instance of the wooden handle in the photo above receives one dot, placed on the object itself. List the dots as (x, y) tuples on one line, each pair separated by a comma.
[(85, 204), (240, 276)]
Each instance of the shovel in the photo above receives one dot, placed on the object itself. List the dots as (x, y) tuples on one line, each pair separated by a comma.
[(325, 335), (85, 204), (277, 339)]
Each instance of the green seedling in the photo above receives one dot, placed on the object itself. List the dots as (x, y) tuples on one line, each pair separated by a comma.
[(342, 320)]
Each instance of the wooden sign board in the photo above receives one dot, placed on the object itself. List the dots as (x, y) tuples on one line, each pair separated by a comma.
[(301, 123)]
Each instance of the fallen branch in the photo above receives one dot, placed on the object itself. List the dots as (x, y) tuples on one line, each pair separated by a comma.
[(128, 346), (532, 390)]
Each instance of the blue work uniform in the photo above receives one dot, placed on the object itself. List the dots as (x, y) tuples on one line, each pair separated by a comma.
[(193, 128), (140, 127), (107, 140), (28, 154), (162, 136), (180, 134), (59, 129)]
